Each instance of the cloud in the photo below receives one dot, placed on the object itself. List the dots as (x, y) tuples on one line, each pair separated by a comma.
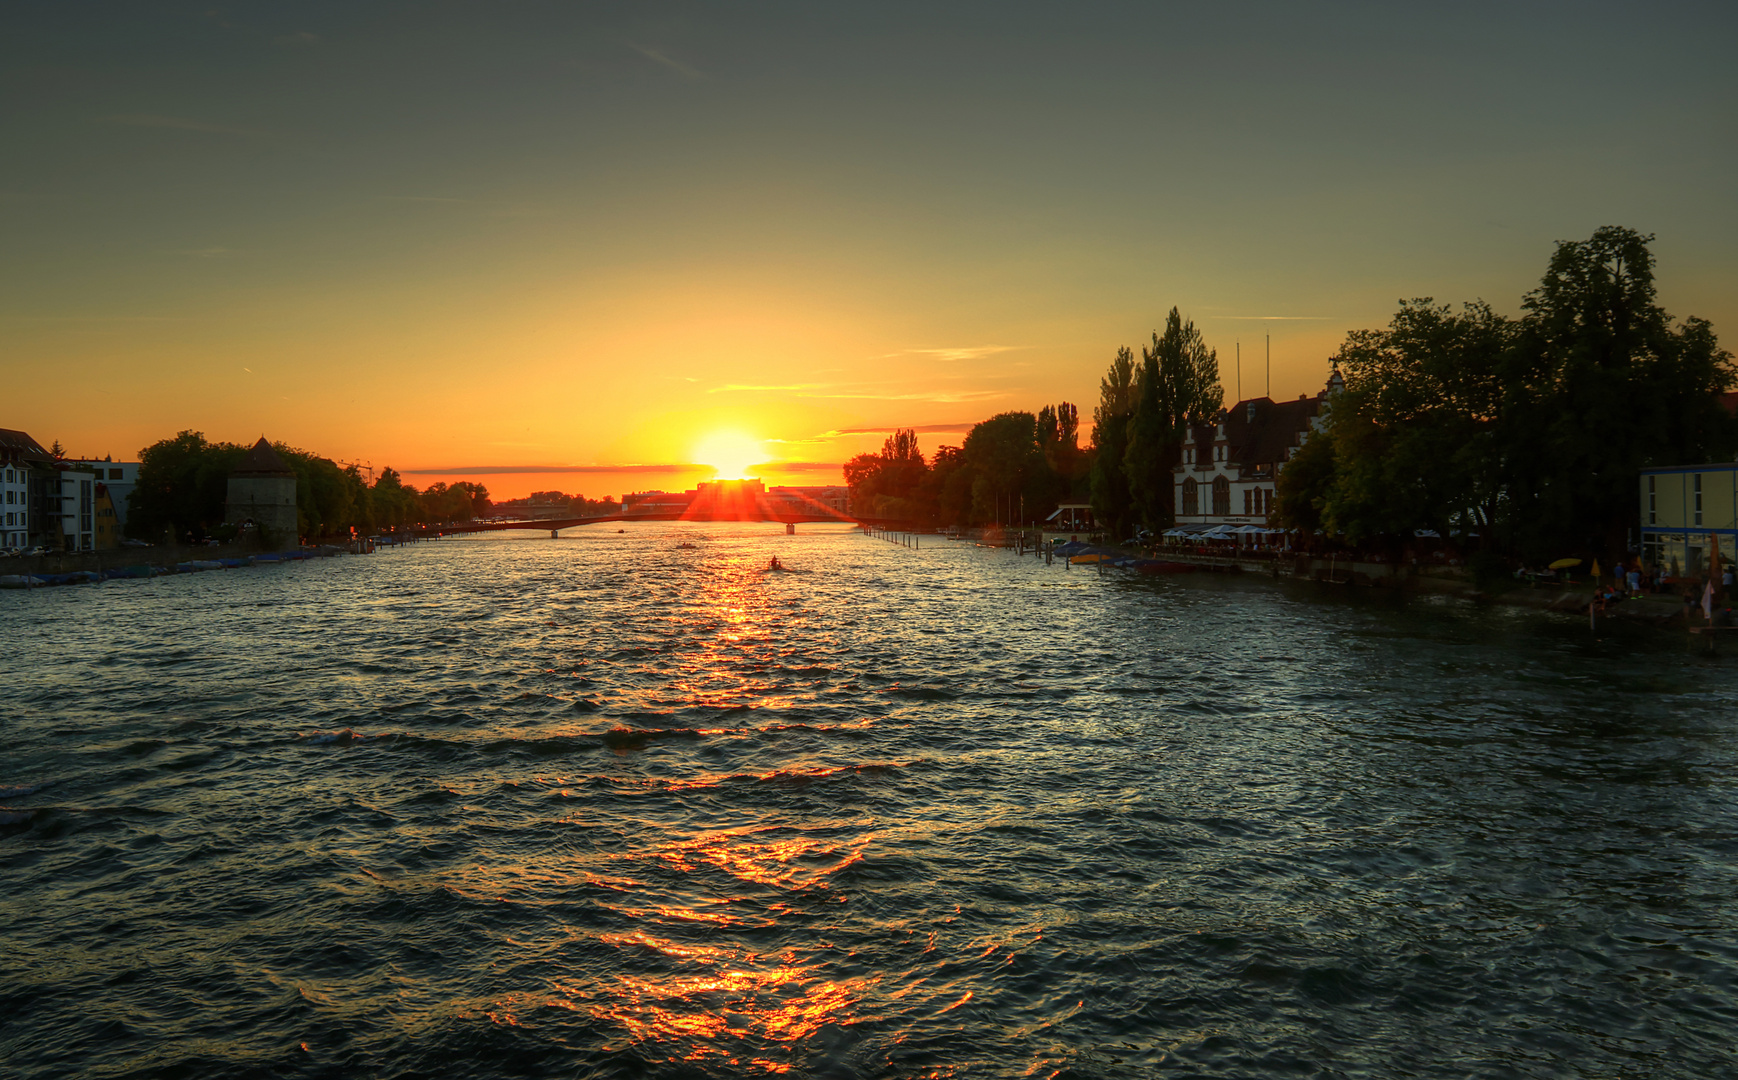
[(420, 199), (800, 466), (493, 470), (208, 252), (677, 66), (1273, 318), (940, 398), (921, 429), (964, 352), (731, 387), (176, 123), (299, 38)]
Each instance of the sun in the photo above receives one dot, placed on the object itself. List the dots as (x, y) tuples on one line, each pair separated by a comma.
[(732, 453)]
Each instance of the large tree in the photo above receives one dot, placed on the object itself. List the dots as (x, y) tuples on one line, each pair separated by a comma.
[(1606, 385), (1418, 431), (1110, 487), (1178, 386)]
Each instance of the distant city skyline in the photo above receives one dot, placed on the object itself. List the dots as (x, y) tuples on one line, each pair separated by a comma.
[(549, 247)]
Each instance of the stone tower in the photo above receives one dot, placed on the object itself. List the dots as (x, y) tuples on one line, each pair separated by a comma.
[(262, 490)]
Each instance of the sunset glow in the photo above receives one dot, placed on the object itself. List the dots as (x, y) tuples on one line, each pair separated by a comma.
[(731, 453)]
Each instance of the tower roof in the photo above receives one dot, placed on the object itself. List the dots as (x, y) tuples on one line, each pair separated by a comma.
[(262, 460)]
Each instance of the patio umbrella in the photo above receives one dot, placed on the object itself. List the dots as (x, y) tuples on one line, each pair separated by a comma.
[(1564, 564)]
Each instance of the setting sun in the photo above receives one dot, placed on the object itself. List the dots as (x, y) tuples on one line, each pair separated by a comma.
[(732, 453)]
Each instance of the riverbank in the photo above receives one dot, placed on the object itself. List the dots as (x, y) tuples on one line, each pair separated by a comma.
[(1338, 572), (84, 567)]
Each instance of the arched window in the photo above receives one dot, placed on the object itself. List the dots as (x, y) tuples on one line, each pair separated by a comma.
[(1191, 498), (1221, 496), (1248, 502)]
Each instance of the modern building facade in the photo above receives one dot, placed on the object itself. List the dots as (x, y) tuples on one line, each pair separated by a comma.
[(1228, 470), (1685, 510), (73, 511)]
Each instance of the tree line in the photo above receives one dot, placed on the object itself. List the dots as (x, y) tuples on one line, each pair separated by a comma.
[(1014, 467), (183, 484), (1520, 436)]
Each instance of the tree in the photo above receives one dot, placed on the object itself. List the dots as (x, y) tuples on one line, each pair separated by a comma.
[(1110, 487), (1606, 385), (1005, 460), (1303, 487), (182, 486), (1178, 386), (1417, 432)]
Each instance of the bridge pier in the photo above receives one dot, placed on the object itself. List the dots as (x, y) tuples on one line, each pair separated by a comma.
[(554, 534), (790, 528)]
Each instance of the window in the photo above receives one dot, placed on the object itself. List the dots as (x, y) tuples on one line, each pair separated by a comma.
[(1653, 506), (1191, 498), (1221, 496), (1698, 520), (1248, 502), (11, 519), (114, 474)]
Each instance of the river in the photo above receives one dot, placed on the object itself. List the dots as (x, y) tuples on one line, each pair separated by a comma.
[(610, 806)]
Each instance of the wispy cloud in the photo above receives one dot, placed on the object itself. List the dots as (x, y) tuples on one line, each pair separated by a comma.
[(420, 199), (208, 252), (496, 470), (939, 397), (673, 64), (733, 387), (1273, 318), (299, 38), (921, 429), (963, 352), (177, 123)]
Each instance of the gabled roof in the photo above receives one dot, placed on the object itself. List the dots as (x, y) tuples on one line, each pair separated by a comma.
[(19, 444), (1274, 429), (262, 460)]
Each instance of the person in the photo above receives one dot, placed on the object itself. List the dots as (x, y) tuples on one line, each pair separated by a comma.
[(1726, 577), (1635, 579), (775, 564)]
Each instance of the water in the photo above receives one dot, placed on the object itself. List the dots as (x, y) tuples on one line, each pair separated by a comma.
[(610, 807)]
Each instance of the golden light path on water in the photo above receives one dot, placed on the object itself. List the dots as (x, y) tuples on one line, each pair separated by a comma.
[(636, 805)]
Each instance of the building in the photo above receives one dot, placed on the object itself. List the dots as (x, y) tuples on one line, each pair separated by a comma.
[(1074, 515), (1227, 470), (15, 498), (119, 477), (262, 494), (72, 511), (1685, 510), (108, 522), (32, 492)]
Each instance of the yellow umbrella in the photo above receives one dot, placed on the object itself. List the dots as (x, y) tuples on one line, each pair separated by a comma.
[(1595, 567), (1564, 564)]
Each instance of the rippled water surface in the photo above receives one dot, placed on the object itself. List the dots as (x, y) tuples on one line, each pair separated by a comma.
[(606, 806)]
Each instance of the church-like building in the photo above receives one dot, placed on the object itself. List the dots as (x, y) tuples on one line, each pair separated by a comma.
[(262, 492), (1228, 470)]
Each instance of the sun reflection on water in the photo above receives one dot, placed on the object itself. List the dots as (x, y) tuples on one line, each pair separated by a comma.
[(724, 1003)]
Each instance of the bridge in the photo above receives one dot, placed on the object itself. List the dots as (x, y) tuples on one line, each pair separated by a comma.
[(556, 525)]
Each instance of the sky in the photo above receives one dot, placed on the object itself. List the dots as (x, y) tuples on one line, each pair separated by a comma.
[(552, 246)]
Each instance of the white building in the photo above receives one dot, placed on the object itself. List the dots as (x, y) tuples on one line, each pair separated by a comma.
[(15, 483), (28, 472), (1228, 470), (120, 477), (76, 511)]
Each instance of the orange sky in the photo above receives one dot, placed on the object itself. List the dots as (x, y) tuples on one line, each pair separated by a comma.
[(472, 241)]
